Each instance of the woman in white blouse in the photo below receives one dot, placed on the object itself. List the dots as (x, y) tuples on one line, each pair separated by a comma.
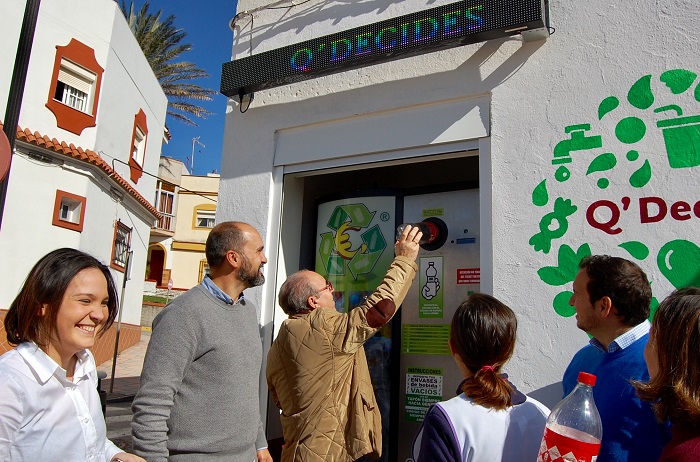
[(49, 406)]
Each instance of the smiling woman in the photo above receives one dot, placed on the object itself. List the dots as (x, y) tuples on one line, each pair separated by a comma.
[(50, 408)]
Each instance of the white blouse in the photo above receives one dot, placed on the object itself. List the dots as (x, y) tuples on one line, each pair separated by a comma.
[(45, 417)]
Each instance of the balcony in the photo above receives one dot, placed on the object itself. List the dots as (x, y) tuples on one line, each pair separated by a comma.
[(165, 225)]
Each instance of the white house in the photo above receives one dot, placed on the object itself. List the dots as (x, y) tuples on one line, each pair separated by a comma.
[(89, 138), (535, 131)]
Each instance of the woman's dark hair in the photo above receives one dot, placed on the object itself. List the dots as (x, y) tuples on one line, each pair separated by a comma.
[(45, 286), (675, 339), (483, 334)]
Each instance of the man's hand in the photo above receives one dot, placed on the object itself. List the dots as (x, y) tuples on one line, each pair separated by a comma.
[(407, 244), (264, 455)]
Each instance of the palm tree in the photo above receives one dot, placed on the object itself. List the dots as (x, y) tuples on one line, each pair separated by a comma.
[(160, 41)]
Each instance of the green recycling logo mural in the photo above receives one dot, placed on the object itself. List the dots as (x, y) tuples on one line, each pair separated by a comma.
[(336, 246), (623, 156)]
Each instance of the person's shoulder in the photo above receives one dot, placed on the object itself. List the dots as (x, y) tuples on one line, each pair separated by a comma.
[(534, 404), (185, 302), (13, 370), (198, 291), (324, 315), (586, 350), (8, 357), (586, 353)]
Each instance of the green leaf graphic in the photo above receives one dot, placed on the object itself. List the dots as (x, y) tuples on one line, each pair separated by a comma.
[(637, 249), (540, 196), (567, 268), (678, 80), (607, 105), (640, 95), (568, 262), (552, 275), (697, 93), (602, 163), (642, 176), (583, 251), (561, 304)]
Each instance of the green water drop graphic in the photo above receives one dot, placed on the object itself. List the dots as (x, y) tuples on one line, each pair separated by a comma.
[(603, 183), (607, 105), (561, 304), (678, 80), (630, 130), (632, 155), (540, 196), (637, 249), (640, 95), (602, 163), (678, 262), (642, 176)]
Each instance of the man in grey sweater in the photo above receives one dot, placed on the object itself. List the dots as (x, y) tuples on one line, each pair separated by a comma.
[(198, 399)]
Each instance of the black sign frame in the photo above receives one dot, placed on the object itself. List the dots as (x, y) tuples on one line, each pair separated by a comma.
[(440, 28)]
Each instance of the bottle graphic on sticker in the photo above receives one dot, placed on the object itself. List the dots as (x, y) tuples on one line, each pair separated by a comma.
[(432, 284), (574, 430)]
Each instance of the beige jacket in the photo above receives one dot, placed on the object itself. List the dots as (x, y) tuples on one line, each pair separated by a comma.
[(317, 374)]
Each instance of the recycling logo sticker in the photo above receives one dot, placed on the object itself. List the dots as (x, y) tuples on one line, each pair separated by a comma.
[(641, 146), (353, 243)]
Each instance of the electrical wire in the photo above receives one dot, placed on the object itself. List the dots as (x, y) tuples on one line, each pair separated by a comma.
[(114, 159)]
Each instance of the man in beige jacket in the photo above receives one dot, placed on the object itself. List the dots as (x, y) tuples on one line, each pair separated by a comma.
[(317, 370)]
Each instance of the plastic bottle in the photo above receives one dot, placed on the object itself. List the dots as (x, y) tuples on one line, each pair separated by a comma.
[(574, 430), (430, 231)]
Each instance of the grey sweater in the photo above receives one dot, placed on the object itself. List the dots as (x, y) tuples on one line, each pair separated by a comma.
[(198, 399)]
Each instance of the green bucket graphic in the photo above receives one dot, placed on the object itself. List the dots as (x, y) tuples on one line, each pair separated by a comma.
[(682, 137)]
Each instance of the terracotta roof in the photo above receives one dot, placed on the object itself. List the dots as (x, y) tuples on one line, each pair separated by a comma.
[(85, 155)]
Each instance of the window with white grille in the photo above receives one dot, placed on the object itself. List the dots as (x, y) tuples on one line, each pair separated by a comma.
[(74, 87), (122, 243)]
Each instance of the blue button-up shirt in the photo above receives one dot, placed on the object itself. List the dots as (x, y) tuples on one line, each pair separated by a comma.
[(624, 340), (218, 293)]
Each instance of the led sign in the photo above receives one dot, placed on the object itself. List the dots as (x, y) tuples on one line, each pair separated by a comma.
[(439, 28)]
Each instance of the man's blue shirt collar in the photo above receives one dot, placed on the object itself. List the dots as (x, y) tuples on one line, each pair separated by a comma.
[(624, 340), (218, 293)]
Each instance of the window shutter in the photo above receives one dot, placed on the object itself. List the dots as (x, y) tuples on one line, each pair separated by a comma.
[(75, 76)]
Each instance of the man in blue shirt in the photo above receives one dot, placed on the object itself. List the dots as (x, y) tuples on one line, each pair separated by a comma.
[(612, 299)]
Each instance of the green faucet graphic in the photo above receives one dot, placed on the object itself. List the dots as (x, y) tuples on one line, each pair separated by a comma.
[(578, 142)]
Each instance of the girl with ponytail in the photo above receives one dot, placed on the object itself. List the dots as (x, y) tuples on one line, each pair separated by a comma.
[(490, 420)]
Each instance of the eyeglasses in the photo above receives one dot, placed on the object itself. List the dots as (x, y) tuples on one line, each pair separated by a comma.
[(328, 286)]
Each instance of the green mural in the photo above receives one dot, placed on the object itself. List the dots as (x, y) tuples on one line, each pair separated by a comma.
[(678, 260)]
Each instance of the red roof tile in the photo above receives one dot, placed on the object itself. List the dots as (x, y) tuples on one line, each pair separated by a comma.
[(88, 156)]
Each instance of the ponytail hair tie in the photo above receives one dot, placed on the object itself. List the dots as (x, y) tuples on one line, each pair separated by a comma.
[(486, 368)]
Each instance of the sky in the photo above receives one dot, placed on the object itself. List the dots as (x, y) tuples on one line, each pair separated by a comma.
[(206, 24)]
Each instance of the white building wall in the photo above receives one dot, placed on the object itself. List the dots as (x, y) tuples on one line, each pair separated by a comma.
[(57, 24), (128, 85), (535, 89), (132, 87), (590, 57)]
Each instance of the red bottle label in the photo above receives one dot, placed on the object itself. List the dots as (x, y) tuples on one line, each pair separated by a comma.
[(557, 447)]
